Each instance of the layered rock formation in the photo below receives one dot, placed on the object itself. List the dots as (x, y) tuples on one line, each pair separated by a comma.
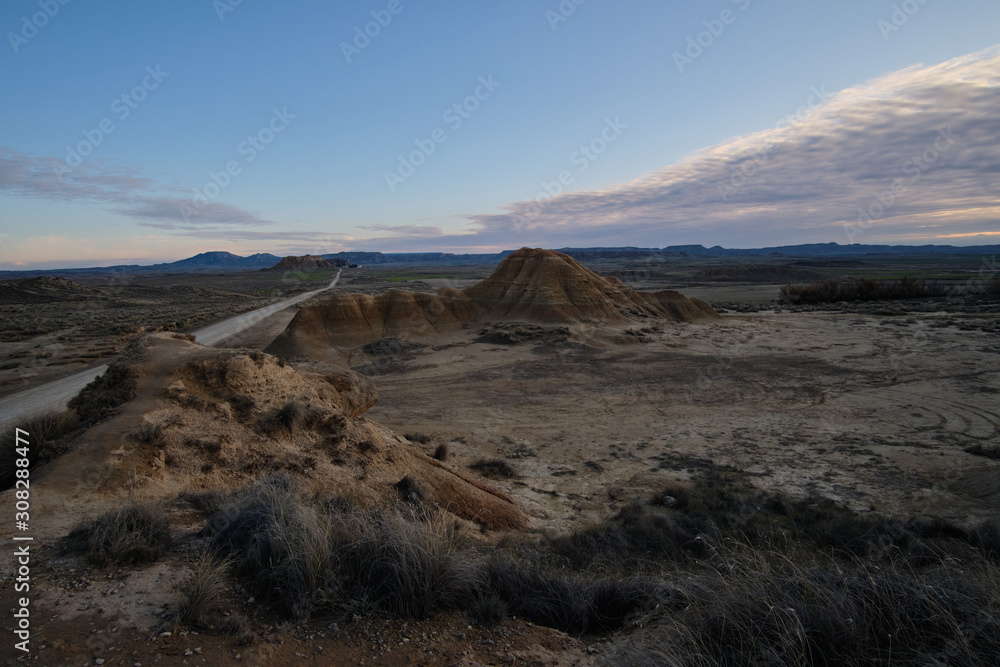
[(548, 286), (532, 285)]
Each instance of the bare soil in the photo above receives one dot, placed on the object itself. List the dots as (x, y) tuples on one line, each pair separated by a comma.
[(875, 410)]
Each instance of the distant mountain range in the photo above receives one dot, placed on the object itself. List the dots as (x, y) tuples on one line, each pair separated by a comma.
[(225, 261)]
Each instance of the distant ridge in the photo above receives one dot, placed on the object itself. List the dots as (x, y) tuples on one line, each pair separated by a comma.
[(203, 262), (225, 261), (219, 260), (292, 263)]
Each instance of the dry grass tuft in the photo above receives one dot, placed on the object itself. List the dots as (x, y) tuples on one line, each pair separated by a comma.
[(710, 572), (133, 535), (204, 599), (45, 431)]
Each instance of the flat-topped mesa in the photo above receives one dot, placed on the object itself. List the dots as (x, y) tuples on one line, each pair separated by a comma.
[(292, 263), (533, 285)]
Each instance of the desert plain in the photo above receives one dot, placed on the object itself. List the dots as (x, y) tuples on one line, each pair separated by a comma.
[(525, 441)]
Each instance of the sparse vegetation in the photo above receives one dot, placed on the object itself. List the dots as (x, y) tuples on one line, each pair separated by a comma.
[(44, 432), (421, 438), (833, 290), (133, 535), (441, 452), (714, 572), (290, 417), (99, 399), (494, 468), (309, 557), (147, 433)]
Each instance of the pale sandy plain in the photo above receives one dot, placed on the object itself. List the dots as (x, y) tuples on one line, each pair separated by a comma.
[(872, 411)]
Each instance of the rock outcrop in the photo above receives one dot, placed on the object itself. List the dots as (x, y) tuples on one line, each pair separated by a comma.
[(547, 286), (530, 285)]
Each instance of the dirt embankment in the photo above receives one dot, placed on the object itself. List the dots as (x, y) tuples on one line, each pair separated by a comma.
[(207, 419)]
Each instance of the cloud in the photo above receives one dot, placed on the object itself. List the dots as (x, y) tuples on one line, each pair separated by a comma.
[(21, 174), (182, 213), (405, 230), (126, 193), (909, 156)]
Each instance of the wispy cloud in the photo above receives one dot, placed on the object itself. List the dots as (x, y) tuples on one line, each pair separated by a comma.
[(28, 176), (169, 213), (405, 230), (877, 148), (123, 190)]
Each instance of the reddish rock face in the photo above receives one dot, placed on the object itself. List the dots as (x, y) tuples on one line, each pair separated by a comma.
[(532, 285)]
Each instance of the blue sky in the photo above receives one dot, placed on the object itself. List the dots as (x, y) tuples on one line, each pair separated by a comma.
[(823, 106)]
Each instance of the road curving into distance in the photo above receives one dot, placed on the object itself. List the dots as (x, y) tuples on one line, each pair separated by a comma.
[(56, 394)]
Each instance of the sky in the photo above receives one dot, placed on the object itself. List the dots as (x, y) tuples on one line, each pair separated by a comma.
[(144, 132)]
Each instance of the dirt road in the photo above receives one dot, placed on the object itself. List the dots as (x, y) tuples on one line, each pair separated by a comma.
[(55, 395)]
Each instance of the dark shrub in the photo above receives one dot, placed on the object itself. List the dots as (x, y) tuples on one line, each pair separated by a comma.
[(132, 535), (43, 434), (101, 398), (494, 468)]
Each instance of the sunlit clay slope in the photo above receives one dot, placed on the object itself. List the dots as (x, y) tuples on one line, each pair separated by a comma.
[(193, 418), (532, 285)]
